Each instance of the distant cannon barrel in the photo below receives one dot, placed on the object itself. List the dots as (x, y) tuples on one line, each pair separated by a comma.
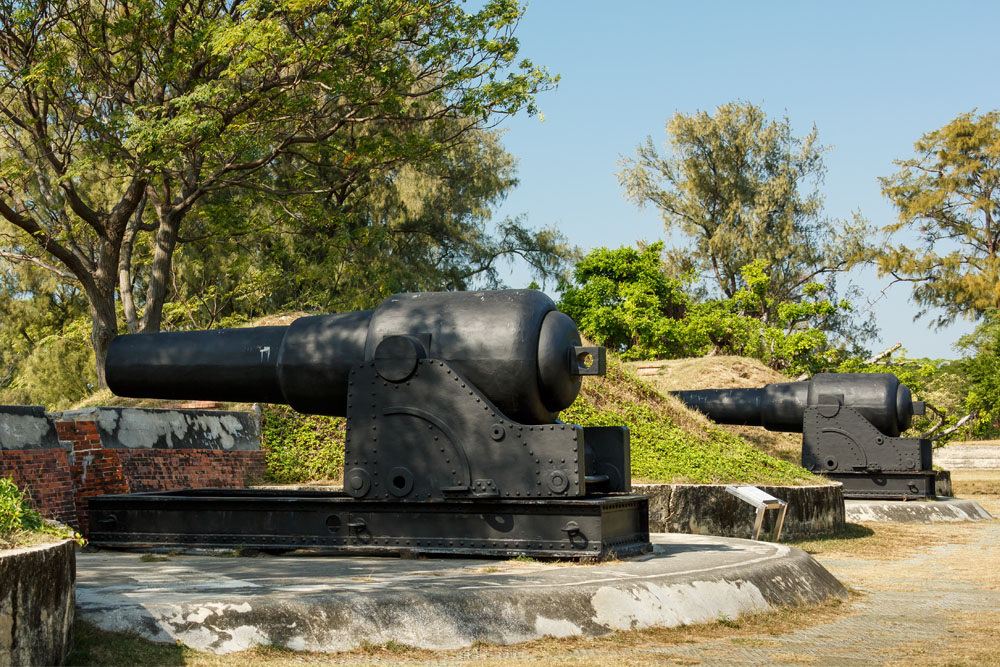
[(879, 397), (513, 345)]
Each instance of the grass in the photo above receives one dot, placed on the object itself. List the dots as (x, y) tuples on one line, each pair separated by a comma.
[(726, 372), (882, 541), (671, 443), (21, 525), (975, 482), (153, 558)]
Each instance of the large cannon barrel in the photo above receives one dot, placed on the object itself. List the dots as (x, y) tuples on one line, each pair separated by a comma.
[(513, 345), (879, 397)]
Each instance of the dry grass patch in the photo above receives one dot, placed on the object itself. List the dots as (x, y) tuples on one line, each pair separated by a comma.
[(975, 482), (20, 539), (885, 541), (974, 640), (103, 398), (719, 372)]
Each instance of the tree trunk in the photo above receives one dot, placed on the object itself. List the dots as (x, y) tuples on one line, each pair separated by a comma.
[(159, 277), (104, 327)]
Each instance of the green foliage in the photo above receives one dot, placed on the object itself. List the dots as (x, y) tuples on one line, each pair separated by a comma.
[(301, 448), (664, 449), (623, 299), (424, 226), (20, 523), (949, 195), (743, 189), (122, 119), (45, 355), (981, 368)]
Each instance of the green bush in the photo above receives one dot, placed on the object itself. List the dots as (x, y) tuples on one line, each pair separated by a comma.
[(302, 448), (20, 523), (624, 301)]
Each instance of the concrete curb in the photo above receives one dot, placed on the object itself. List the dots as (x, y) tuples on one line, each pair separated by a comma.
[(330, 604), (37, 603), (915, 511), (707, 509), (968, 457)]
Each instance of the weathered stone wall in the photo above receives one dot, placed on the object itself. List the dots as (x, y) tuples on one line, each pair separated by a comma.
[(103, 451), (37, 604), (26, 427), (148, 428), (707, 509)]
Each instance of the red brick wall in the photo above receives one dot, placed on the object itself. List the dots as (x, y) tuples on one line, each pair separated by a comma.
[(94, 470), (61, 480), (166, 469), (45, 475)]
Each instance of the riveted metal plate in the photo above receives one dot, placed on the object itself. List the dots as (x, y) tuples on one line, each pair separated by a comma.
[(334, 522)]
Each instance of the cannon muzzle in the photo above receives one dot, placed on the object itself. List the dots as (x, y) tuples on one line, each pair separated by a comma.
[(513, 345), (879, 397)]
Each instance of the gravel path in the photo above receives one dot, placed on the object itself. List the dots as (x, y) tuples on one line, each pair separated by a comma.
[(910, 609)]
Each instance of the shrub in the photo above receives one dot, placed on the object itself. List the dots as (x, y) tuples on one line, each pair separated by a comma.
[(20, 523)]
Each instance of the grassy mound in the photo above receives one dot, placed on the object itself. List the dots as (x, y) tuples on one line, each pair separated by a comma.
[(724, 372), (671, 443)]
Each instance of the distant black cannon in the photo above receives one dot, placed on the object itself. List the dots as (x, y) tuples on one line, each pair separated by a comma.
[(850, 425), (453, 442)]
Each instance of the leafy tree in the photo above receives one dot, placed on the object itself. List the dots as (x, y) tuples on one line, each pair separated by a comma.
[(743, 188), (45, 357), (950, 195), (623, 299), (118, 118), (981, 368), (423, 226)]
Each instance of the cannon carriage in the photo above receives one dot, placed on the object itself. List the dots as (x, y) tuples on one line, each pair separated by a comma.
[(453, 440), (851, 425)]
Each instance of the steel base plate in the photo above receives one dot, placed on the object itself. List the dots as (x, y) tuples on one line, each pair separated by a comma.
[(592, 527), (886, 485)]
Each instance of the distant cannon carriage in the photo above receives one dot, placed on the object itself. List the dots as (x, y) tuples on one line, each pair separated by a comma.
[(850, 424)]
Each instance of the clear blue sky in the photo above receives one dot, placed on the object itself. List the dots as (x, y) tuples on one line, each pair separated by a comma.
[(872, 76)]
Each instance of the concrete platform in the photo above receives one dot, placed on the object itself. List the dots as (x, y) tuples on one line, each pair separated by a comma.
[(323, 603), (914, 511)]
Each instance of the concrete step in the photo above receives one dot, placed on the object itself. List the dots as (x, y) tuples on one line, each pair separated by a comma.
[(968, 457)]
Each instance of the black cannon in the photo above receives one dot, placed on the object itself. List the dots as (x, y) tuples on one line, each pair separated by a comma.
[(453, 442), (850, 425)]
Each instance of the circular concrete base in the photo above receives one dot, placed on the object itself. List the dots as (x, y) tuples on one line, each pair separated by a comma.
[(914, 511), (330, 604)]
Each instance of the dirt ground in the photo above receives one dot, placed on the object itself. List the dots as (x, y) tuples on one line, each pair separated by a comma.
[(925, 594)]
